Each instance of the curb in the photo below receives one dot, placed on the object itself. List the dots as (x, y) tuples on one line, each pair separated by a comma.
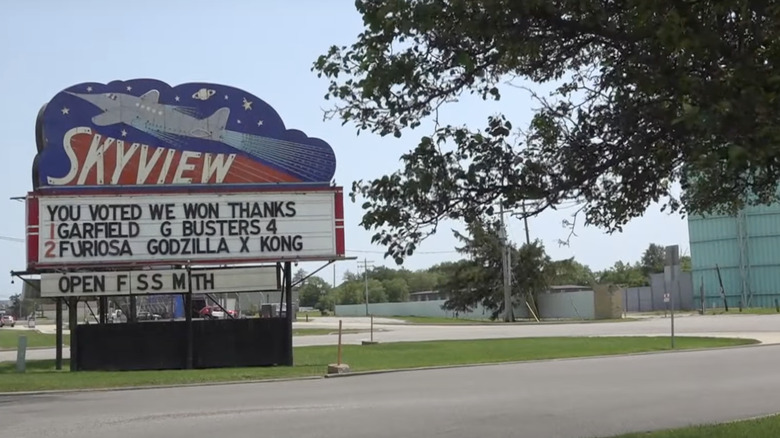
[(5, 350), (146, 387), (368, 373)]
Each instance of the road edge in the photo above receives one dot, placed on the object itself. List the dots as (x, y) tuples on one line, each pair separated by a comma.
[(367, 373)]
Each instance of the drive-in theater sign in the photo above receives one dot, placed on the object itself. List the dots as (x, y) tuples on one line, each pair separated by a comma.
[(140, 188)]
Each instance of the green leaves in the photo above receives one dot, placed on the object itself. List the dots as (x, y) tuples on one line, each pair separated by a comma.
[(479, 279), (650, 93)]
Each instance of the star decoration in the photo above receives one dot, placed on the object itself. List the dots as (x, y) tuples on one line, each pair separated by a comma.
[(129, 88), (124, 133), (177, 98), (239, 121), (247, 104), (65, 111), (89, 89), (226, 97), (259, 123)]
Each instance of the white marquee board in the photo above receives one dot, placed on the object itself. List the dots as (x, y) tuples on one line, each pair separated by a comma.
[(168, 281), (205, 228)]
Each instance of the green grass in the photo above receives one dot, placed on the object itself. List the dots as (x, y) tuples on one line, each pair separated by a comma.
[(748, 311), (440, 320), (313, 361), (767, 427), (313, 314), (323, 331), (9, 339)]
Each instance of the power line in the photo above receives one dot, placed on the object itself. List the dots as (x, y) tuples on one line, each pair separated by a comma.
[(416, 252), (12, 239)]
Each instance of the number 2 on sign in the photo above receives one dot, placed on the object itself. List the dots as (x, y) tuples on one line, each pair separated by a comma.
[(49, 248)]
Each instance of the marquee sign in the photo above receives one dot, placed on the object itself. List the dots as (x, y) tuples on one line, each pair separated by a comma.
[(176, 228), (169, 281), (145, 133)]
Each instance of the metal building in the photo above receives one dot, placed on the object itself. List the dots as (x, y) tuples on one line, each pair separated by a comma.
[(746, 248)]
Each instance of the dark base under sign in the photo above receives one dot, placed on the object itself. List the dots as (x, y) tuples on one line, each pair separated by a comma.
[(159, 345)]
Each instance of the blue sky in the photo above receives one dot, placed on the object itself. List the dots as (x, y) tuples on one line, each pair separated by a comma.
[(266, 48)]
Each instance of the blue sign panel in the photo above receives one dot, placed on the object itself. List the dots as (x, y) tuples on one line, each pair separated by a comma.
[(143, 132)]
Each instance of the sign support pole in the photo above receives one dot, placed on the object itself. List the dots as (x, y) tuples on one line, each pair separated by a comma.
[(289, 306), (102, 309), (73, 322), (188, 319), (58, 336)]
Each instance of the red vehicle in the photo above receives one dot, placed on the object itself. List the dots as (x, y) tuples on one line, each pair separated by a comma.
[(211, 312)]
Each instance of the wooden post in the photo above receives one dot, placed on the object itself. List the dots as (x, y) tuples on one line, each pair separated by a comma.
[(338, 362)]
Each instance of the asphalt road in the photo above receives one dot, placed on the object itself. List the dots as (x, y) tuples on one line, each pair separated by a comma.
[(580, 398), (765, 328)]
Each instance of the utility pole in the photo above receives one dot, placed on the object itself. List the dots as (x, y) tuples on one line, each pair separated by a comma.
[(525, 224), (506, 263), (366, 264)]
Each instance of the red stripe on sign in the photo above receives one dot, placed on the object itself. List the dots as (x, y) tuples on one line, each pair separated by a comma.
[(339, 204), (340, 241), (339, 214), (32, 231)]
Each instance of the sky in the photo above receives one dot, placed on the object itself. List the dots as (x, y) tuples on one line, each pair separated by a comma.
[(266, 48)]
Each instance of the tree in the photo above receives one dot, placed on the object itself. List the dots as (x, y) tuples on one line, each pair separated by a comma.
[(351, 276), (647, 94), (396, 289), (653, 259), (299, 275), (16, 305), (624, 274), (479, 280), (312, 291), (685, 264), (326, 303), (569, 271), (421, 281), (376, 292)]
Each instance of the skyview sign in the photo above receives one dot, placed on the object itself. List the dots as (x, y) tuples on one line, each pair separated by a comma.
[(144, 132)]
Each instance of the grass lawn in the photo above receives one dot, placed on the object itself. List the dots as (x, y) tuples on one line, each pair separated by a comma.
[(323, 331), (767, 427), (9, 339), (313, 361), (441, 320), (735, 311), (301, 316)]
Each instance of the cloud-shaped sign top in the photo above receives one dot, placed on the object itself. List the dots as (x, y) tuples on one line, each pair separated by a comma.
[(144, 132)]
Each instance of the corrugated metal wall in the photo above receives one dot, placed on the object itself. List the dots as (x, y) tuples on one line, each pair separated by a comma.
[(746, 247)]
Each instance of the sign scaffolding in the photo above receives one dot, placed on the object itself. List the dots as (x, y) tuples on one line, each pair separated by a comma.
[(142, 189)]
